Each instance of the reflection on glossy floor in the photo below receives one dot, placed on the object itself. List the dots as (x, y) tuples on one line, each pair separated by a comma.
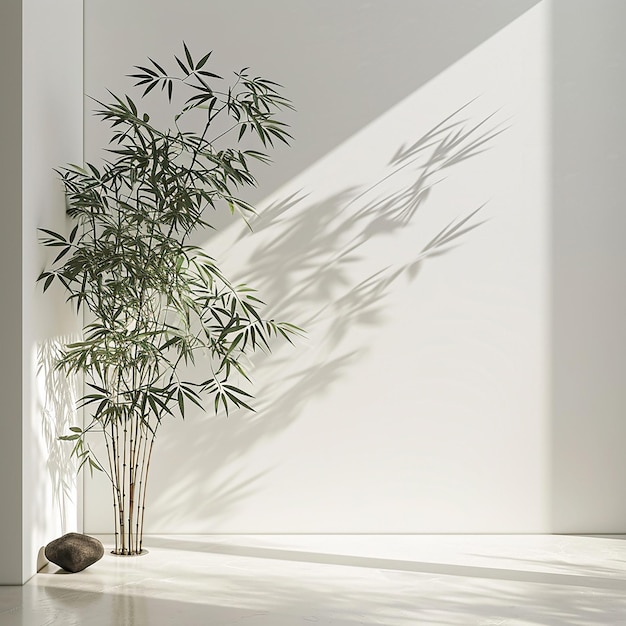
[(255, 580)]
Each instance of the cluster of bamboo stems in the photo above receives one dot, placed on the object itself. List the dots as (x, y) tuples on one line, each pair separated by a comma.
[(129, 444)]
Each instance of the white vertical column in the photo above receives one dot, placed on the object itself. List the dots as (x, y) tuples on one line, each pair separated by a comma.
[(40, 129), (52, 123), (10, 283), (589, 260)]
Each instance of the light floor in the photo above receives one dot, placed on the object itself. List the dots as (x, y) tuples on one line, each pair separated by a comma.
[(340, 580)]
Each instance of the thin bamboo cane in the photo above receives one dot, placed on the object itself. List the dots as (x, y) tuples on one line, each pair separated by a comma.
[(111, 474), (129, 488), (145, 485), (119, 487), (140, 504), (138, 475)]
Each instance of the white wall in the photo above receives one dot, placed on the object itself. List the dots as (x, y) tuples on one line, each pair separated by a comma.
[(478, 391), (43, 130), (52, 135), (420, 400), (10, 255), (589, 295)]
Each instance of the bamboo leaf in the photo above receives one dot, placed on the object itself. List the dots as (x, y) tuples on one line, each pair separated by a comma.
[(181, 403), (133, 108), (182, 66), (73, 233), (94, 465), (146, 69), (209, 74), (149, 88), (188, 55), (157, 66), (53, 234), (203, 60), (61, 254), (237, 390)]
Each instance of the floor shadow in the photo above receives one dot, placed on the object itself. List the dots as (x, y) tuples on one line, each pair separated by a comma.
[(181, 582), (400, 565)]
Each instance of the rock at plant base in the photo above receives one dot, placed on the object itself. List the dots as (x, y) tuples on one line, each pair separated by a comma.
[(74, 552)]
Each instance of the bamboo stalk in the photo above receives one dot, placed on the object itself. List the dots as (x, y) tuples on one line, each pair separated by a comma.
[(140, 505), (120, 491), (124, 494), (131, 487), (145, 485), (111, 470), (141, 464)]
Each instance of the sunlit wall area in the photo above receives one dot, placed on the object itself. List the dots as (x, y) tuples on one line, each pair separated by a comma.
[(447, 228), (407, 230)]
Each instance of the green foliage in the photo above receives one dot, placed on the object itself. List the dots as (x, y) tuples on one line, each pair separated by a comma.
[(154, 302)]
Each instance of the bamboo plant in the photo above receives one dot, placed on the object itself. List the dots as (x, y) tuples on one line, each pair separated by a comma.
[(164, 328)]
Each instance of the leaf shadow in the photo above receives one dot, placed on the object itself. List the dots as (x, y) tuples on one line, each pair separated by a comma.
[(56, 403), (310, 263)]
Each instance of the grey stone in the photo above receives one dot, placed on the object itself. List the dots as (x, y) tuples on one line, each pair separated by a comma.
[(74, 552)]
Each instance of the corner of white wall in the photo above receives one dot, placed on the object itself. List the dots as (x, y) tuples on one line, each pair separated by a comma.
[(10, 329), (52, 135)]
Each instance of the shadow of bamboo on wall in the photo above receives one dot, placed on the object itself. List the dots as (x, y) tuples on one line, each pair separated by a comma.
[(57, 396), (305, 262)]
